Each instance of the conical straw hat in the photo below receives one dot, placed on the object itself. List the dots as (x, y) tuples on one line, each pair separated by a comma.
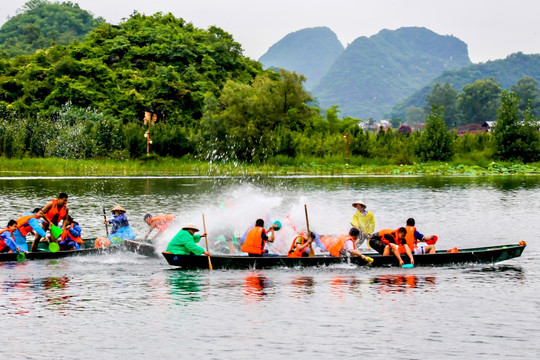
[(118, 208)]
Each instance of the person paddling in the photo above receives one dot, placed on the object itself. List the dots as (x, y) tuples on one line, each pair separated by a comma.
[(364, 221), (387, 241), (185, 242), (7, 241), (256, 238), (343, 245), (158, 222), (29, 223), (120, 225), (71, 236), (300, 245), (55, 211), (413, 238)]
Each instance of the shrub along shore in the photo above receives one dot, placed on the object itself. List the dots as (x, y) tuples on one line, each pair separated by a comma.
[(154, 166)]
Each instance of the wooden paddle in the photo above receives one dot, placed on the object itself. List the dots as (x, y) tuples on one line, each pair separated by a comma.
[(206, 240), (311, 252), (106, 226)]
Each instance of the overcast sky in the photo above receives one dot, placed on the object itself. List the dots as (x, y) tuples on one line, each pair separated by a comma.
[(493, 29)]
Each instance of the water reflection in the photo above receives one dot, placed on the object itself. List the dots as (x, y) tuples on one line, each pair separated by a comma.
[(55, 292), (343, 285), (18, 294), (499, 272), (303, 285), (186, 286), (255, 285), (389, 283)]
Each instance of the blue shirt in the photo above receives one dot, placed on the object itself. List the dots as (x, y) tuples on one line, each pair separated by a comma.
[(35, 224), (118, 222), (318, 241), (8, 239), (75, 230)]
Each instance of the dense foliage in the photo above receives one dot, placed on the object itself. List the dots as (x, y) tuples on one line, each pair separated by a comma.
[(506, 72), (200, 98), (375, 73), (435, 142), (157, 64), (41, 23), (516, 137)]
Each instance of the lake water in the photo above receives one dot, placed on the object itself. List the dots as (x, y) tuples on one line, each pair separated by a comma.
[(127, 306)]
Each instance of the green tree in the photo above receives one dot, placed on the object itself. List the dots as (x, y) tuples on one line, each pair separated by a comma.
[(445, 96), (415, 116), (251, 117), (39, 23), (527, 91), (516, 139), (435, 142), (479, 101)]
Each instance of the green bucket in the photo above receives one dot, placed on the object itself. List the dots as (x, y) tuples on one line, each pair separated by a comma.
[(53, 247), (56, 231)]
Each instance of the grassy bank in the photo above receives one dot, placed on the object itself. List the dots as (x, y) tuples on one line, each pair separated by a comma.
[(284, 166)]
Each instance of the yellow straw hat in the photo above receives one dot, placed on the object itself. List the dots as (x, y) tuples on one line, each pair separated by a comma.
[(118, 208), (359, 202)]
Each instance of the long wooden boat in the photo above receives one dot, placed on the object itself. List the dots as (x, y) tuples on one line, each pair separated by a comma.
[(141, 247), (483, 255), (43, 253)]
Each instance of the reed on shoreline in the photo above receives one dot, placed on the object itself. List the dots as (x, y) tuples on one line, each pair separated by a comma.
[(284, 166)]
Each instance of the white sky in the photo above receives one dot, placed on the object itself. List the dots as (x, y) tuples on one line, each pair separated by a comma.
[(493, 29)]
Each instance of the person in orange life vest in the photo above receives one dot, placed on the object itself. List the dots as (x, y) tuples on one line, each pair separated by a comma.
[(56, 210), (29, 223), (256, 239), (7, 241), (386, 241), (413, 238), (71, 236), (343, 245), (158, 222), (300, 245)]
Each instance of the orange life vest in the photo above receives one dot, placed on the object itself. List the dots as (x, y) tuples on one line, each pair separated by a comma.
[(293, 251), (7, 229), (409, 238), (393, 233), (22, 224), (55, 214), (163, 221), (66, 233), (335, 247), (254, 243)]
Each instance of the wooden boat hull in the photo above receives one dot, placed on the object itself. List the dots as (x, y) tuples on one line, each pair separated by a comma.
[(141, 248), (486, 255), (88, 249)]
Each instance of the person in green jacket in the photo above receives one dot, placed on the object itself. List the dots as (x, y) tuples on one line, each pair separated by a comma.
[(185, 242)]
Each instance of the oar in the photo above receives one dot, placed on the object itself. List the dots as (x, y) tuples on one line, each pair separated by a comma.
[(206, 240), (21, 256), (407, 266), (311, 252), (106, 226)]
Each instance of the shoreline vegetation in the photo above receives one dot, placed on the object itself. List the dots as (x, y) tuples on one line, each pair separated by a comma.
[(155, 166)]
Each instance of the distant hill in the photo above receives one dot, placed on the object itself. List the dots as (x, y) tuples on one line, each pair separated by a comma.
[(309, 51), (40, 23), (507, 72), (375, 73)]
